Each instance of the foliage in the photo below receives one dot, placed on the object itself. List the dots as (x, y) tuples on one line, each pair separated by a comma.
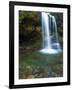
[(29, 24)]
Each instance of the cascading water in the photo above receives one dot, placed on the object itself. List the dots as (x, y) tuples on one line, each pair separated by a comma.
[(49, 25)]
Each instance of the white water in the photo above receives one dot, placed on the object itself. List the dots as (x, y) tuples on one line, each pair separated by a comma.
[(46, 34)]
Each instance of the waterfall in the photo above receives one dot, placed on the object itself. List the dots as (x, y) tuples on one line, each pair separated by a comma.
[(45, 31), (49, 32)]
